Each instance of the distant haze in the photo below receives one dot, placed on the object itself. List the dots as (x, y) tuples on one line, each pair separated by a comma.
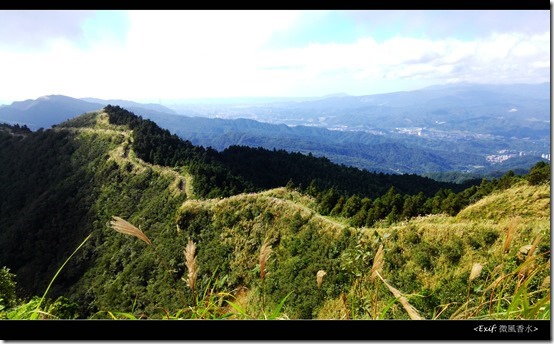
[(461, 127), (163, 56)]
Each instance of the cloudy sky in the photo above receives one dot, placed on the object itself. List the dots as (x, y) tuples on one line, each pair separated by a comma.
[(166, 55)]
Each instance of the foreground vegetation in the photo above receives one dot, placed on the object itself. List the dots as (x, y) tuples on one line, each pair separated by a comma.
[(138, 240), (433, 267)]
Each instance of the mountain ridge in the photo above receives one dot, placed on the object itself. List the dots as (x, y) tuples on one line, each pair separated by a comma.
[(61, 184)]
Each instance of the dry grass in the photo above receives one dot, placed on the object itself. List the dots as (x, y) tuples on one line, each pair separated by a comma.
[(378, 262), (534, 246), (376, 269), (510, 233), (265, 252), (521, 200), (412, 312), (475, 271), (190, 262), (319, 277), (529, 263), (122, 226)]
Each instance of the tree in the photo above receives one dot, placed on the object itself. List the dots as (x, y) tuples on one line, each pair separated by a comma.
[(413, 205), (393, 216), (540, 173), (352, 206), (312, 189), (328, 201), (338, 208), (7, 288)]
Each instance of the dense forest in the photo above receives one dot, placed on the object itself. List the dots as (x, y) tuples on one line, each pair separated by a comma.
[(253, 233), (245, 169)]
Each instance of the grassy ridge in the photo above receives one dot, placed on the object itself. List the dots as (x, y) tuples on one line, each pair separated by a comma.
[(430, 258)]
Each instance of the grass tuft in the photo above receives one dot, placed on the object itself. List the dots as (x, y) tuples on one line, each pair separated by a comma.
[(265, 252), (190, 262), (378, 262), (122, 226), (319, 277), (411, 310)]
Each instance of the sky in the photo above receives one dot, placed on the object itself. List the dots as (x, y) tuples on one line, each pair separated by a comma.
[(162, 56)]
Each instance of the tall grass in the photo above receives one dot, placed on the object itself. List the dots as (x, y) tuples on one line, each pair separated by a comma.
[(212, 303), (122, 226), (192, 266), (33, 309), (520, 293), (265, 252), (411, 310)]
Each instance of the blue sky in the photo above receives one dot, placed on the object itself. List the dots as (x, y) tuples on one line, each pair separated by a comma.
[(167, 55)]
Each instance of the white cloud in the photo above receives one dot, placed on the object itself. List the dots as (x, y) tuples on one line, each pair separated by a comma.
[(497, 58), (173, 54)]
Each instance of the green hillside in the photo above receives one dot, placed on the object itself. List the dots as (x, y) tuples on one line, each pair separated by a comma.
[(211, 238)]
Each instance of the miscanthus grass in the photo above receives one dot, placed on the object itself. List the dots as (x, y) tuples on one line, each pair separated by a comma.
[(191, 264), (210, 303)]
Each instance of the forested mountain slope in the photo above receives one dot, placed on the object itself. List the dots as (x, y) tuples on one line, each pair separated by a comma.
[(62, 184)]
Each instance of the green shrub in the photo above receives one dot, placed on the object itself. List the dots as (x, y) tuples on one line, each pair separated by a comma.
[(8, 296), (424, 254), (64, 308), (453, 250), (412, 236)]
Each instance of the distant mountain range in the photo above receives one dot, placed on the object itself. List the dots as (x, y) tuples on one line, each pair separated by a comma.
[(443, 128), (130, 105), (46, 111), (495, 108)]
